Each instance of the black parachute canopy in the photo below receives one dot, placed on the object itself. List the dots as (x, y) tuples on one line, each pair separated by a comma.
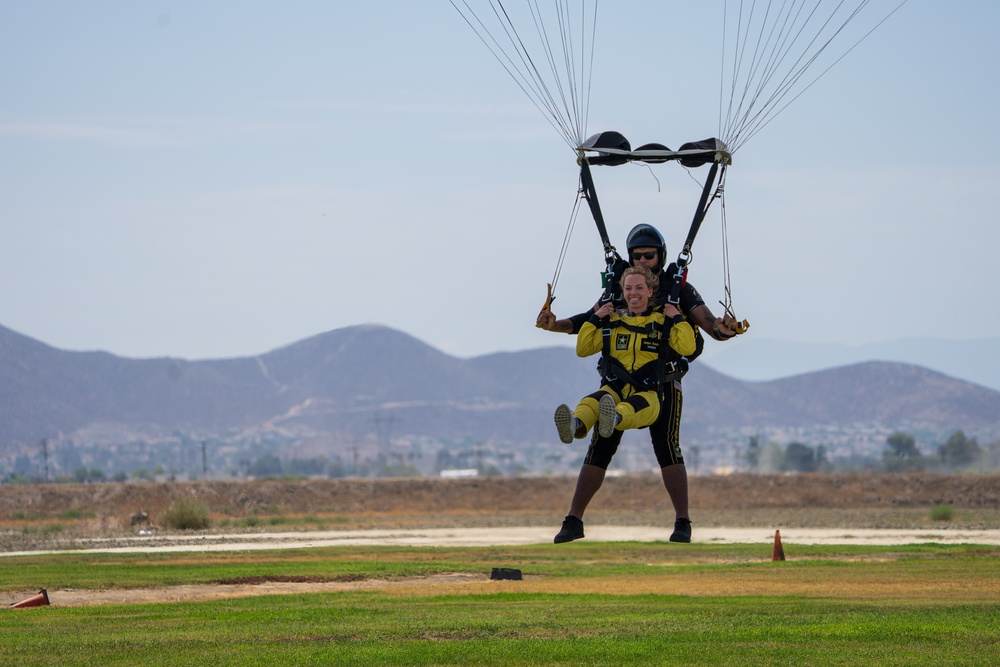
[(612, 148)]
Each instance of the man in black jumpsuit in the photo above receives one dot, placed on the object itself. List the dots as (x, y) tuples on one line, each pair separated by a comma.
[(646, 247)]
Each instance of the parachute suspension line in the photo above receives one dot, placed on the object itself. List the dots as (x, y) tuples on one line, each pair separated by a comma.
[(563, 103), (742, 117), (727, 282), (740, 326), (570, 227), (590, 73), (737, 65), (779, 44), (722, 70), (526, 76), (572, 103), (779, 49), (764, 122), (755, 67), (576, 96)]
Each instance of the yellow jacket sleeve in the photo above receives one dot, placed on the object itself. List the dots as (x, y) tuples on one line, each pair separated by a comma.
[(589, 340), (681, 339)]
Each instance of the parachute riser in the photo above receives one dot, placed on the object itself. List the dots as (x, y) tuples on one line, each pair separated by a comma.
[(589, 192)]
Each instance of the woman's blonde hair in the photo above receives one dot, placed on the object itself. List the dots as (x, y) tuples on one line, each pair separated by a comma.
[(652, 282)]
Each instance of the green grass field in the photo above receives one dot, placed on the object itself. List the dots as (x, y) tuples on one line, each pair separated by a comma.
[(579, 604)]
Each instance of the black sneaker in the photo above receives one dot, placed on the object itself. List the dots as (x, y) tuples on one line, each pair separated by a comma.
[(572, 529), (682, 531)]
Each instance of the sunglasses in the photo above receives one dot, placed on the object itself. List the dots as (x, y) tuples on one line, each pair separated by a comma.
[(644, 255)]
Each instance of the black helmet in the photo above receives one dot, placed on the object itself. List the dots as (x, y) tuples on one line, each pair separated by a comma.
[(647, 236)]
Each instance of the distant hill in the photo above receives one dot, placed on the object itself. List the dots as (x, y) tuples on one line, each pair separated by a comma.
[(976, 361), (345, 381), (875, 392)]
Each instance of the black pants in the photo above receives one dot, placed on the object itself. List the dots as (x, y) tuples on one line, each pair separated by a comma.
[(665, 434)]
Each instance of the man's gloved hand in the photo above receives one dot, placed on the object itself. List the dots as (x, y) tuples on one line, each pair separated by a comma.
[(731, 326)]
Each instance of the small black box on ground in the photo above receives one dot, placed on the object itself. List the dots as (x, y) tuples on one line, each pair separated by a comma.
[(506, 573)]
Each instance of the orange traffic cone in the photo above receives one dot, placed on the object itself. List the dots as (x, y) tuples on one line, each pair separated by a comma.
[(39, 600), (779, 552)]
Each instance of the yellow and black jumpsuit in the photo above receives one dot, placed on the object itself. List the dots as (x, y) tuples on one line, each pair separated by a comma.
[(634, 343)]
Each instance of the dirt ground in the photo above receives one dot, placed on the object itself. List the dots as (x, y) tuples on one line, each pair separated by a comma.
[(71, 515), (430, 495), (207, 592)]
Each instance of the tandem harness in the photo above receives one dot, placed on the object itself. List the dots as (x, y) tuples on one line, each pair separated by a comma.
[(612, 148), (669, 367)]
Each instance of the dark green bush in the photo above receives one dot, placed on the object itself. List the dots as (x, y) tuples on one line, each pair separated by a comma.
[(942, 512)]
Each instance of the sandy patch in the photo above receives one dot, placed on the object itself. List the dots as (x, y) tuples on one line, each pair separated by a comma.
[(205, 592), (500, 536)]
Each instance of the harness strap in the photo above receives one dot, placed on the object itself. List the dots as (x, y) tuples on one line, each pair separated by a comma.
[(650, 376), (670, 365), (617, 376), (669, 371), (638, 328)]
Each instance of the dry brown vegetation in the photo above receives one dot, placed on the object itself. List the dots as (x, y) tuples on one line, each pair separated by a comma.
[(63, 512)]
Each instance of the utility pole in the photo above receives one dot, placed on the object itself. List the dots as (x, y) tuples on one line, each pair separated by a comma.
[(382, 427), (204, 460), (354, 457), (45, 457)]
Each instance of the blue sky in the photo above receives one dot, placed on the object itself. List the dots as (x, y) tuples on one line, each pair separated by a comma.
[(205, 180)]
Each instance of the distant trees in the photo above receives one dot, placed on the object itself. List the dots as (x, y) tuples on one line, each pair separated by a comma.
[(793, 457), (803, 458), (991, 456), (903, 445), (398, 469), (752, 455), (267, 465), (902, 453), (959, 452), (337, 469), (898, 452), (307, 467), (84, 475), (25, 468)]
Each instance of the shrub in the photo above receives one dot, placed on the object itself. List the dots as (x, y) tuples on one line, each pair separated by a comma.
[(47, 529), (186, 515), (942, 512)]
